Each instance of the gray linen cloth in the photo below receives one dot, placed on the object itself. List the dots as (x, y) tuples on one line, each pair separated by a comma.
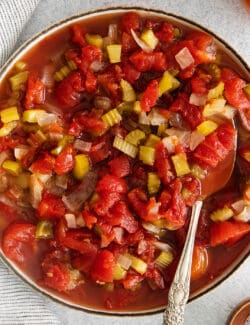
[(19, 305)]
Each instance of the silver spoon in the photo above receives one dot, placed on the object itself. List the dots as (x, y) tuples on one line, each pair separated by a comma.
[(179, 290)]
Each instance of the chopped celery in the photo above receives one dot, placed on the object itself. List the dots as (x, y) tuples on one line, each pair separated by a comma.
[(31, 115), (247, 90), (167, 82), (128, 93), (152, 140), (94, 39), (222, 214), (180, 164), (135, 137), (198, 172), (125, 107), (72, 65), (41, 136), (44, 230), (137, 264), (161, 129), (215, 106), (9, 114), (62, 73), (216, 91), (147, 155), (148, 37), (81, 166), (12, 167), (18, 79), (7, 128), (114, 53), (20, 65), (112, 117), (119, 272), (207, 127), (153, 183), (164, 259), (137, 107), (23, 180), (125, 147), (62, 144)]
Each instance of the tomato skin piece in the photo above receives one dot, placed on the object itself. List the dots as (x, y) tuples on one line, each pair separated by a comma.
[(68, 90), (44, 164), (80, 241), (235, 94), (226, 231), (130, 20), (65, 160), (162, 163), (200, 262), (120, 166), (50, 207), (150, 96), (227, 74), (35, 93), (16, 237), (90, 82), (78, 36), (102, 269)]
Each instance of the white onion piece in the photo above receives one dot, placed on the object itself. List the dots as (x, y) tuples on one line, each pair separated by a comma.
[(102, 102), (81, 145), (55, 136), (3, 156), (113, 32), (80, 221), (142, 246), (45, 119), (244, 215), (151, 227), (195, 139), (48, 75), (97, 66), (163, 246), (119, 233), (197, 99), (36, 189), (182, 135), (184, 58), (156, 118), (71, 220), (170, 142), (124, 261), (238, 206), (106, 41), (5, 200), (140, 43), (215, 106), (143, 118), (20, 152), (229, 112), (62, 181), (154, 209)]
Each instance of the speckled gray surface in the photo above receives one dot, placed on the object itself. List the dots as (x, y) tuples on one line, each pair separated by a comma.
[(230, 20)]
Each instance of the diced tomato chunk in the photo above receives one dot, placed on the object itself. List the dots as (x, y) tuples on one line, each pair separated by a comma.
[(227, 74), (226, 231), (57, 276), (91, 123), (102, 269), (226, 135), (162, 163), (90, 82), (78, 36), (100, 150), (193, 186), (198, 86), (105, 201), (65, 160), (90, 54), (50, 207), (35, 93), (130, 20), (79, 240), (17, 238), (235, 94), (150, 96), (166, 33), (111, 183), (44, 164), (89, 217), (120, 166), (128, 43), (130, 73), (146, 61), (132, 280), (138, 199)]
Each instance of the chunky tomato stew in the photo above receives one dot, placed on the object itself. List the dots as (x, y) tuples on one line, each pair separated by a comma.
[(106, 135)]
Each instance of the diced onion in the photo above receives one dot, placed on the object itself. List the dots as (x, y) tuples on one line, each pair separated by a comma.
[(182, 135), (195, 139), (113, 32), (140, 43), (36, 189), (238, 206), (197, 99), (184, 58), (151, 227), (156, 118), (163, 246), (80, 221), (142, 246), (170, 142), (4, 155), (97, 66), (83, 146), (71, 220), (244, 215), (119, 233), (102, 102), (48, 75), (124, 261), (45, 119), (5, 200), (62, 181), (143, 118)]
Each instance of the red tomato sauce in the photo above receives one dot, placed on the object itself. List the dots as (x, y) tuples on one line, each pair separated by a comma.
[(104, 140)]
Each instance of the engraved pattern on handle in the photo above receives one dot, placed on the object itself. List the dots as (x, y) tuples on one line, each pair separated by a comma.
[(179, 290)]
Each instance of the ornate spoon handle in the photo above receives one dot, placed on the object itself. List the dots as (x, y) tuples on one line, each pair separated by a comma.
[(179, 290)]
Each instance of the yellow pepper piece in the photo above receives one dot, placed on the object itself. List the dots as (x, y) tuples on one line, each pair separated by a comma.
[(114, 53), (125, 147), (215, 106), (31, 115), (128, 93), (180, 164), (216, 91), (198, 172), (221, 214), (20, 65), (9, 114), (153, 183), (168, 82), (119, 272), (148, 37), (23, 180), (207, 127), (147, 155), (135, 137), (137, 107), (112, 117), (152, 140), (7, 128), (137, 264), (94, 39), (18, 79), (12, 167), (81, 166), (44, 230), (247, 90)]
